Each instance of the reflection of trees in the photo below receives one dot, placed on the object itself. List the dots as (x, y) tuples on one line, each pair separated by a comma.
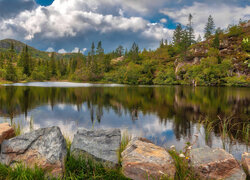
[(182, 105)]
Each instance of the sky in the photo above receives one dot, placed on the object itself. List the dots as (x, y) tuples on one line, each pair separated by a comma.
[(68, 25)]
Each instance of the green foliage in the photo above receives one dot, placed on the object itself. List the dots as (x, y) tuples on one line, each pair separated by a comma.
[(246, 44), (165, 76), (86, 168), (21, 172), (237, 81), (216, 41), (235, 31), (209, 28), (183, 170)]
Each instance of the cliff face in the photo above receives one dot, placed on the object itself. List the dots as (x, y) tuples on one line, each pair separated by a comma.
[(230, 47)]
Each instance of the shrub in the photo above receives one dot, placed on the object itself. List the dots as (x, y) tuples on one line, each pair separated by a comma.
[(235, 31), (246, 44)]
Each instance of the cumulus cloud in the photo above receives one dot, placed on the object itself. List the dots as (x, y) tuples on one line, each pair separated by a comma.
[(62, 51), (76, 18), (163, 20), (50, 49), (223, 14)]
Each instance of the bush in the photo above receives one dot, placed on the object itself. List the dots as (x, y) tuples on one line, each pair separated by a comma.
[(246, 44), (237, 81), (235, 31)]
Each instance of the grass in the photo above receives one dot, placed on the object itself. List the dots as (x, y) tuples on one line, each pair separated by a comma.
[(126, 137), (228, 127), (17, 128), (183, 169), (21, 172)]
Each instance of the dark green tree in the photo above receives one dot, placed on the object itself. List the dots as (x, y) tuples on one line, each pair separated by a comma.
[(209, 28), (190, 30), (134, 53), (10, 72), (25, 61), (216, 41), (177, 35), (119, 51), (53, 64)]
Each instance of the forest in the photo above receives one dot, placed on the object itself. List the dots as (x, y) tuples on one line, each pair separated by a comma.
[(220, 58)]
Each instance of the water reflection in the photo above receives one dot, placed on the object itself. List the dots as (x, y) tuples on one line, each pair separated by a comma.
[(166, 115)]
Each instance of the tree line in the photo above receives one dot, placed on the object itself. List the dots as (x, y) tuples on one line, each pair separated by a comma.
[(132, 66)]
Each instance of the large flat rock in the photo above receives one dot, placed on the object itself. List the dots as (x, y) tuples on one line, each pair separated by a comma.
[(44, 147), (245, 160), (214, 163), (100, 144), (6, 132), (143, 160)]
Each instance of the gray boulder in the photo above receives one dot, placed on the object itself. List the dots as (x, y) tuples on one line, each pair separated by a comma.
[(214, 163), (44, 147), (102, 145)]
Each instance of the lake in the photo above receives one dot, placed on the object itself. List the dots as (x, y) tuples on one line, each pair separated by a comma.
[(167, 115)]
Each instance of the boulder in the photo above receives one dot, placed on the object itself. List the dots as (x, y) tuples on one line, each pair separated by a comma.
[(143, 160), (214, 163), (44, 147), (101, 145), (245, 160), (6, 132)]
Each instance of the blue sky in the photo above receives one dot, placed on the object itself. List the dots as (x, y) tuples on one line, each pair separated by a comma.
[(69, 25)]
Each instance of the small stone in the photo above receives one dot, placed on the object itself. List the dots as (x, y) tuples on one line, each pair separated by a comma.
[(6, 132), (214, 163), (143, 160), (102, 145), (245, 160), (45, 147)]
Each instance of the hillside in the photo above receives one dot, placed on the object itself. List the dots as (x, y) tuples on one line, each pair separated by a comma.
[(5, 45), (222, 59)]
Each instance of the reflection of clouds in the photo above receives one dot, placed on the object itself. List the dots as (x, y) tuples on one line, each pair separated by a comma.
[(61, 106), (69, 119)]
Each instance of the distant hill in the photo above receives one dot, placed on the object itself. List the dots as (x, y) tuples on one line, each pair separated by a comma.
[(5, 45)]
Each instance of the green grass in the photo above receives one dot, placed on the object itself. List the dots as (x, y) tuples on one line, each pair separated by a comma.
[(183, 170), (126, 137), (21, 172)]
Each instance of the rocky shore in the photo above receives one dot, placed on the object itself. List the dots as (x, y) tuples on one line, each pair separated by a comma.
[(141, 159)]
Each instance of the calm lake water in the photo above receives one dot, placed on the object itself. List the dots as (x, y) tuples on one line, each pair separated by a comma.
[(167, 115)]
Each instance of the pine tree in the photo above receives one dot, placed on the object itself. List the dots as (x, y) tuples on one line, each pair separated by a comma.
[(190, 30), (53, 64), (119, 51), (199, 39), (177, 35), (209, 28), (99, 49), (216, 41), (134, 52), (10, 72), (25, 61), (184, 44)]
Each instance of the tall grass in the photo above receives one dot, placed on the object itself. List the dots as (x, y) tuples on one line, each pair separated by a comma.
[(228, 127), (21, 172), (17, 128), (126, 138)]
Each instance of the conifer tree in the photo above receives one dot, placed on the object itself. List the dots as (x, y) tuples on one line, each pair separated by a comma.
[(177, 35), (53, 64), (209, 28), (10, 72), (25, 61), (216, 41), (190, 30)]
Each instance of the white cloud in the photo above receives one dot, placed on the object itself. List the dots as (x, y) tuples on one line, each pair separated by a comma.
[(70, 18), (62, 51), (50, 49), (163, 20), (76, 50), (223, 14)]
